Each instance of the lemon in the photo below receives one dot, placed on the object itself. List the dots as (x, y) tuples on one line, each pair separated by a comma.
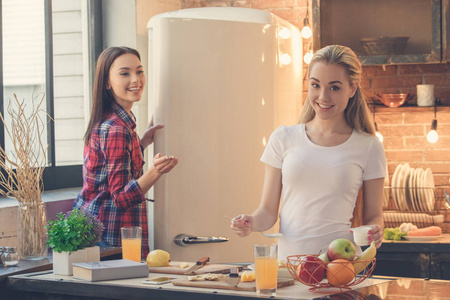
[(158, 258), (248, 276)]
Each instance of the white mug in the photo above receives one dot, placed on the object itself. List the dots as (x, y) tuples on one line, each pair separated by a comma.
[(360, 235), (425, 95)]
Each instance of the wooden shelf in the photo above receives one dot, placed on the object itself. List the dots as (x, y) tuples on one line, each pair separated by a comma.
[(408, 108)]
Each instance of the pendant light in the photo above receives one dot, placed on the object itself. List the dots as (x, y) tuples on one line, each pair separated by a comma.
[(308, 55), (306, 30), (377, 133), (433, 136), (306, 33)]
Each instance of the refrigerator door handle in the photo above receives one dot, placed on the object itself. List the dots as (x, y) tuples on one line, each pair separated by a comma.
[(185, 240)]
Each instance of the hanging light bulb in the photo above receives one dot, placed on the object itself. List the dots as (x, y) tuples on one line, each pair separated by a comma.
[(308, 56), (285, 33), (285, 59), (377, 133), (306, 30), (433, 136)]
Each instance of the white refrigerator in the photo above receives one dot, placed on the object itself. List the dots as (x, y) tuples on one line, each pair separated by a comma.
[(221, 80)]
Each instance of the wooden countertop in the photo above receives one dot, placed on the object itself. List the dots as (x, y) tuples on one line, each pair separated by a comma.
[(440, 244), (60, 286), (29, 266)]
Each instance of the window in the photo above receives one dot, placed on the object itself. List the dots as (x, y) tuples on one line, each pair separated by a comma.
[(48, 48)]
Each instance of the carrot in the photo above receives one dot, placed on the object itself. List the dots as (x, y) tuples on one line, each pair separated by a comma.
[(426, 231)]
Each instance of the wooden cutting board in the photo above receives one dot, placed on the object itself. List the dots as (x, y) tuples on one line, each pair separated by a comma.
[(222, 284), (174, 268)]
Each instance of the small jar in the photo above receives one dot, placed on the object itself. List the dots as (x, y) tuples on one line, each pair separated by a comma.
[(10, 258)]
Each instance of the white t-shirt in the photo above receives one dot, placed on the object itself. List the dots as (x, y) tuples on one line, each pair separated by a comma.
[(320, 186)]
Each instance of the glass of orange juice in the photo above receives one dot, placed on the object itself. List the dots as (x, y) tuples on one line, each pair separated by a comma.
[(266, 268), (131, 243)]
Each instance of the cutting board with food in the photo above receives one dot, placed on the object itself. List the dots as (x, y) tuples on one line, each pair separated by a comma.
[(179, 267), (222, 284)]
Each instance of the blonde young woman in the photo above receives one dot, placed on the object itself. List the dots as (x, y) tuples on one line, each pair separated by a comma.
[(319, 165)]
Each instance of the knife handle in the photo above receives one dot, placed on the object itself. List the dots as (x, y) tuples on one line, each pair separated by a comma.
[(202, 261)]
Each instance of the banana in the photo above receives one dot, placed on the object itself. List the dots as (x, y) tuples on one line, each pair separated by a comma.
[(367, 255)]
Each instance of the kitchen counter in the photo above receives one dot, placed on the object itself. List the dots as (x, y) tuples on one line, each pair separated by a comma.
[(46, 284), (440, 244), (424, 259), (28, 266), (46, 264)]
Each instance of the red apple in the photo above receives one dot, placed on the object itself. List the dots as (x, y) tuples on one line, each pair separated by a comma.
[(311, 269), (341, 249)]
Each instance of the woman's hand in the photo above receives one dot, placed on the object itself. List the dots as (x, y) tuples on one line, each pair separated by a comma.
[(164, 164), (147, 137), (242, 225), (375, 234)]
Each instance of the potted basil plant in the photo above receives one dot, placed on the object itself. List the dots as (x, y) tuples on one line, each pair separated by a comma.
[(72, 238)]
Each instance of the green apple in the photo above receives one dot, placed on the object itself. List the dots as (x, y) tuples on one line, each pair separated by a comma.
[(341, 248), (324, 257)]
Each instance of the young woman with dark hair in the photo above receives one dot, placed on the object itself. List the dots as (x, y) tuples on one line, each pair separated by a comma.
[(114, 184)]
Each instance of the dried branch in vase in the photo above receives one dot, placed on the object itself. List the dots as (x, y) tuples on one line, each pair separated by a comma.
[(23, 168)]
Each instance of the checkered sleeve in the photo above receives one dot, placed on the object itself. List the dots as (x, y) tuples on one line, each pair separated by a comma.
[(125, 191)]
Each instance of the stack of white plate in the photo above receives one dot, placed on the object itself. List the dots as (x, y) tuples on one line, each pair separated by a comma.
[(386, 190), (413, 188)]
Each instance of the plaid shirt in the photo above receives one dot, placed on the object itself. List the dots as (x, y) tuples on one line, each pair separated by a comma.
[(113, 162)]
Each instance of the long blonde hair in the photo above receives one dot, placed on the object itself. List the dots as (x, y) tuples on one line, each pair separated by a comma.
[(357, 113)]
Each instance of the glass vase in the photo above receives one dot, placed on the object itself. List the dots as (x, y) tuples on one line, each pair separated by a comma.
[(31, 231)]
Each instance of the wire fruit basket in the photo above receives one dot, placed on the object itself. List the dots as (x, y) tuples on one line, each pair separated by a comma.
[(345, 272)]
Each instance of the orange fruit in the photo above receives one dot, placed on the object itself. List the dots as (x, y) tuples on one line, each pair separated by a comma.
[(340, 272)]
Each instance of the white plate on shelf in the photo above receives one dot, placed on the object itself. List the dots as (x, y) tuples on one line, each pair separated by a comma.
[(419, 189), (401, 187), (408, 195), (414, 189), (386, 189), (429, 189), (410, 189), (421, 238), (394, 185)]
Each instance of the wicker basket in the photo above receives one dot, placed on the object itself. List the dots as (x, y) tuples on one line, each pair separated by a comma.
[(384, 45), (293, 261)]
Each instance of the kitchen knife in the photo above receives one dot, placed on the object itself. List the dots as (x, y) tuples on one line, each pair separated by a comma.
[(233, 278), (200, 263)]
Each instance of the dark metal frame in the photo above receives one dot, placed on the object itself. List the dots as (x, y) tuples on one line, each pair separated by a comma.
[(445, 30), (440, 50), (57, 177)]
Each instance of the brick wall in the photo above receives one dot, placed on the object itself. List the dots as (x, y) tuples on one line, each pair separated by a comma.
[(404, 128)]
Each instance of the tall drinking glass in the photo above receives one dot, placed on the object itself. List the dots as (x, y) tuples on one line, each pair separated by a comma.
[(266, 268), (131, 243)]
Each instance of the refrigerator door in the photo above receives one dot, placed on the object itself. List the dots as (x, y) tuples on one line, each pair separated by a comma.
[(215, 84)]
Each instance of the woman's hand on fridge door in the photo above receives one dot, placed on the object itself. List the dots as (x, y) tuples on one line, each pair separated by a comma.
[(147, 137), (164, 164), (242, 225)]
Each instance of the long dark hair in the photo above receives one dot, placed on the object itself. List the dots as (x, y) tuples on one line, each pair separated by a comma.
[(103, 99)]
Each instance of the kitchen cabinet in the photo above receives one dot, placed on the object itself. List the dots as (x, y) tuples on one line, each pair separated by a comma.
[(356, 24), (415, 265), (414, 260)]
